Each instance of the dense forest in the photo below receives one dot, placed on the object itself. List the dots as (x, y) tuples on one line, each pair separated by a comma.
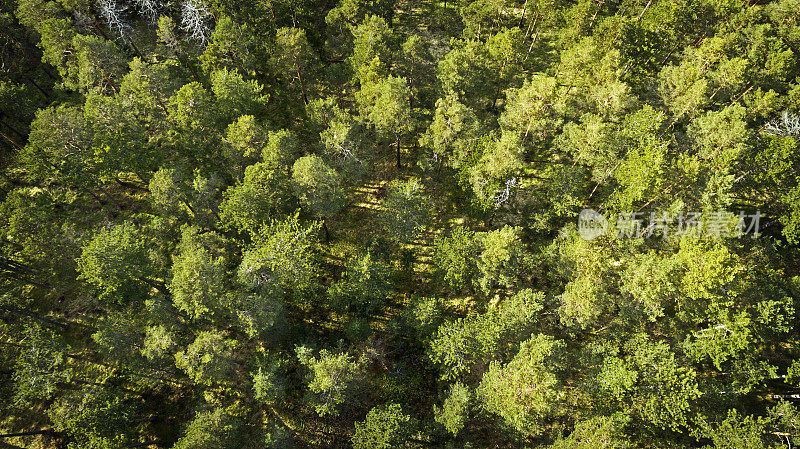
[(380, 224)]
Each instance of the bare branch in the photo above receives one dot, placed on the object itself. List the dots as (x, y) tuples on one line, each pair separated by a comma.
[(502, 195), (194, 20), (148, 9), (787, 124), (114, 15)]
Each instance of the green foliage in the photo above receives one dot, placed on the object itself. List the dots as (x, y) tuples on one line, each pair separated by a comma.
[(56, 42), (239, 97), (453, 131), (385, 427), (461, 345), (651, 365), (592, 143), (193, 109), (294, 59), (722, 137), (208, 360), (282, 149), (493, 175), (98, 65), (464, 73), (259, 314), (529, 109), (424, 316), (117, 263), (116, 336), (163, 165), (384, 104), (246, 139), (500, 258), (334, 379), (317, 186), (343, 138), (269, 382), (525, 391), (198, 274), (60, 146), (454, 412), (231, 46), (406, 212), (34, 228), (504, 50), (641, 173), (39, 364), (735, 431), (166, 32), (606, 432), (215, 428), (94, 419), (158, 341), (263, 195), (364, 286), (170, 192), (785, 416), (371, 41), (282, 255), (455, 346), (649, 282)]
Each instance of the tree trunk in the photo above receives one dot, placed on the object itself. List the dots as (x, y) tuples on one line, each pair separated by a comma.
[(46, 70), (31, 314), (146, 443), (100, 30), (24, 434), (12, 141), (131, 185), (411, 87), (397, 146), (25, 280), (141, 178), (21, 136), (108, 195), (327, 232), (302, 84), (135, 48), (46, 95), (94, 195), (189, 206), (187, 63)]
